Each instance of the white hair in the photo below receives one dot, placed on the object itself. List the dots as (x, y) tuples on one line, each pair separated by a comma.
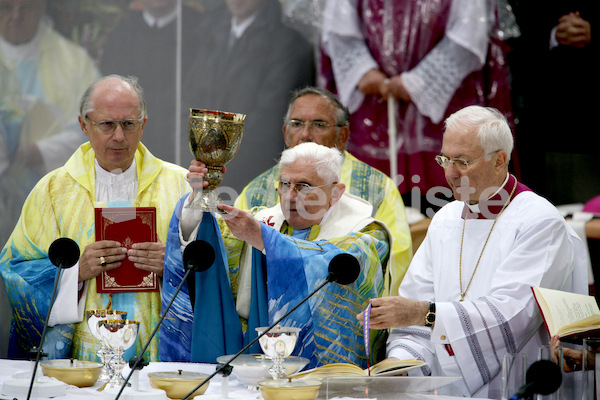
[(327, 161), (491, 127)]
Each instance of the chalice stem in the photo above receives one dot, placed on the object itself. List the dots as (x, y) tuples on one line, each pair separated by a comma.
[(104, 353), (205, 200)]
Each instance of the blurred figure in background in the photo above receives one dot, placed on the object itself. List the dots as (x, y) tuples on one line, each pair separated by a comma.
[(554, 77), (145, 44), (42, 77), (433, 57), (252, 64)]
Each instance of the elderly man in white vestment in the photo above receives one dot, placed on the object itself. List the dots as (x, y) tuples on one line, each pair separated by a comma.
[(466, 299)]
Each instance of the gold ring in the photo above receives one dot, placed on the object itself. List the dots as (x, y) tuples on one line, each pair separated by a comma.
[(102, 261)]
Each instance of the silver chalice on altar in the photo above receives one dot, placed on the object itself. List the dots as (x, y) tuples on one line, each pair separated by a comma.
[(118, 335), (214, 139), (105, 353), (278, 344)]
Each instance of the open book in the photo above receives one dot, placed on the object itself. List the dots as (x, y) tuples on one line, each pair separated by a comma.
[(387, 367), (571, 316)]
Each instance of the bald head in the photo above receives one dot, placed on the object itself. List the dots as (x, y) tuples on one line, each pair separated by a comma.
[(113, 117)]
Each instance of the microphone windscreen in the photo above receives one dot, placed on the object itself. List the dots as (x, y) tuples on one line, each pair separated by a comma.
[(545, 377), (63, 252), (198, 256), (343, 269)]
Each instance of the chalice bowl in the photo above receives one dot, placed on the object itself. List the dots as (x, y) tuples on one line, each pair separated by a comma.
[(277, 344), (214, 139), (118, 335), (93, 316)]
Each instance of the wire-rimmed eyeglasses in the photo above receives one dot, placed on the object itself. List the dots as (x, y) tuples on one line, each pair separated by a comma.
[(302, 188), (462, 165), (296, 125), (128, 125)]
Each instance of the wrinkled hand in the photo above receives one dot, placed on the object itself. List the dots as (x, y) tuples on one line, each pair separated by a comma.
[(572, 30), (394, 311), (149, 256), (243, 225), (89, 261), (374, 82)]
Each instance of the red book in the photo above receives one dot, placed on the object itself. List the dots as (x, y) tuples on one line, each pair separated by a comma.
[(126, 225)]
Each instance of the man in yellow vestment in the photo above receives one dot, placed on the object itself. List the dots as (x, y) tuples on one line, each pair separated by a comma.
[(112, 169)]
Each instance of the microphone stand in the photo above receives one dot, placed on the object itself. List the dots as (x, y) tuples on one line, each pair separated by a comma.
[(63, 253), (225, 366), (138, 362), (38, 351)]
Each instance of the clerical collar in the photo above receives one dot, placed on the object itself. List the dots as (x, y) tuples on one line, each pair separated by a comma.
[(475, 207), (159, 22), (129, 173), (237, 30), (117, 185)]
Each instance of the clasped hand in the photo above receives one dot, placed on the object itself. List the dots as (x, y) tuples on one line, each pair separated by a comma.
[(148, 256), (572, 30), (374, 82)]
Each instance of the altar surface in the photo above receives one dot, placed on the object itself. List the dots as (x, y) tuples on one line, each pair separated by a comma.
[(218, 387)]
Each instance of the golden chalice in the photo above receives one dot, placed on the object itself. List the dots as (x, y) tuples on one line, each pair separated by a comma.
[(214, 139)]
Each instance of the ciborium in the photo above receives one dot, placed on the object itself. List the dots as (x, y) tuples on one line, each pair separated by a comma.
[(104, 353), (214, 139), (277, 344), (118, 335)]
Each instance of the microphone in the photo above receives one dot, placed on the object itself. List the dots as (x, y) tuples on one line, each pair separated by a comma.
[(198, 256), (63, 253), (343, 269), (543, 377)]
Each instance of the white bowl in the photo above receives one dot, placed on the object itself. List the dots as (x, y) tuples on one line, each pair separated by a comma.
[(251, 369)]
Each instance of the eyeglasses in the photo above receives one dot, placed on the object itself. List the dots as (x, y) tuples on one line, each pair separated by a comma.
[(295, 125), (128, 125), (303, 189), (462, 165)]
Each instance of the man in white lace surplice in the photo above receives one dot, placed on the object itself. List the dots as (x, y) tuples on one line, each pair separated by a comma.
[(433, 57), (476, 266)]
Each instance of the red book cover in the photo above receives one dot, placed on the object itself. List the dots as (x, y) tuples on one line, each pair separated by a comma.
[(126, 225)]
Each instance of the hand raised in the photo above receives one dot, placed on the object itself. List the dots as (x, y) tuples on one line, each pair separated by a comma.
[(243, 225)]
